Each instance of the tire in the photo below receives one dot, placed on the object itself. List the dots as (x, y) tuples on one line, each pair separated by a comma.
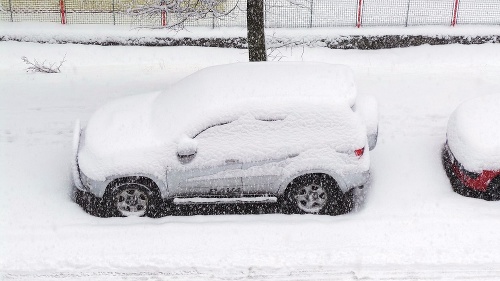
[(494, 189), (315, 194), (454, 181), (130, 199)]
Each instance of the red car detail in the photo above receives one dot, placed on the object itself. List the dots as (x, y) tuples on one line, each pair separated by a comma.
[(480, 183)]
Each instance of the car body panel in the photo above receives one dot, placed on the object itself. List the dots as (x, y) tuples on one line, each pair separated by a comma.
[(207, 181)]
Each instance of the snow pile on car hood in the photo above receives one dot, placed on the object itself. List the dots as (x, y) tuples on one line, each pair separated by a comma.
[(474, 133), (119, 136)]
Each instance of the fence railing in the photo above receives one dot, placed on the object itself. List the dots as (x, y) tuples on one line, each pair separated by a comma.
[(278, 13)]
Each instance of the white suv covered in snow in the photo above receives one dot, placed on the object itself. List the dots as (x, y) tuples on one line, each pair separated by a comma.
[(295, 133)]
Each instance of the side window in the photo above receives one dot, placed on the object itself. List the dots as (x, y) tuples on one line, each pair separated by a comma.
[(243, 137), (215, 127)]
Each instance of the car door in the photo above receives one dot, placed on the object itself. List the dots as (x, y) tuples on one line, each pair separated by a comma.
[(214, 171), (262, 171), (262, 177)]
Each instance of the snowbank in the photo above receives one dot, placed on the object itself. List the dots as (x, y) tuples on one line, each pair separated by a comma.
[(474, 133)]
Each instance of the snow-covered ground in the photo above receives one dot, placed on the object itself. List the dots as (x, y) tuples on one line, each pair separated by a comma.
[(412, 225)]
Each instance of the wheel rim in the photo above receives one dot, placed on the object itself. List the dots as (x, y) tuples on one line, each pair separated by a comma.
[(311, 198), (132, 202)]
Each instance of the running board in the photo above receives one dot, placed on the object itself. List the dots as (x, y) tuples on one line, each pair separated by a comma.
[(202, 200)]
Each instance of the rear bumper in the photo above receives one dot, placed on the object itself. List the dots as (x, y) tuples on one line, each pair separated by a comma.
[(357, 180)]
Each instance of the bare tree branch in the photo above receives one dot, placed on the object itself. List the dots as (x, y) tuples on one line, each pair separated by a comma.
[(179, 11), (35, 66), (276, 45)]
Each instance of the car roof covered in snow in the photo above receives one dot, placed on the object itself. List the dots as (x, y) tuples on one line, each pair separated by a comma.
[(223, 86), (278, 79), (474, 133), (268, 79)]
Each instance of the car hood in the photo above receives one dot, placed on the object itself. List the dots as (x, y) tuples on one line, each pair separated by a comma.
[(120, 138)]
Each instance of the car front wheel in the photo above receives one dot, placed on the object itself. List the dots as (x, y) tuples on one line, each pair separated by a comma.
[(131, 200)]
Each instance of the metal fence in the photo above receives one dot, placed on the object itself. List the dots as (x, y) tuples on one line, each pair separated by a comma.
[(278, 13)]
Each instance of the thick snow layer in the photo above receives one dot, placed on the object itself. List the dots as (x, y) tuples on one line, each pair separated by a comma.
[(277, 82), (474, 133), (412, 225), (139, 134)]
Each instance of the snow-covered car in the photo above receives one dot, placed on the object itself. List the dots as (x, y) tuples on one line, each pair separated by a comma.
[(471, 154), (292, 133)]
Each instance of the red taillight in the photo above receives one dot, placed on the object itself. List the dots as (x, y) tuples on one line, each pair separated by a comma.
[(359, 152)]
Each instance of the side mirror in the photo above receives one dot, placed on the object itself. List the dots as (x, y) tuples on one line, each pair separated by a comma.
[(186, 149)]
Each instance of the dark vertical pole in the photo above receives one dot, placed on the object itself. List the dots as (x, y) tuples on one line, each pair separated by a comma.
[(311, 16), (407, 13), (10, 8), (114, 16), (255, 31)]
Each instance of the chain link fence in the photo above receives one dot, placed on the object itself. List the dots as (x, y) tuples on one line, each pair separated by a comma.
[(278, 13)]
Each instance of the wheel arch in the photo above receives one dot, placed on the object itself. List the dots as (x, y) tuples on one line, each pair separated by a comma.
[(152, 183), (287, 180)]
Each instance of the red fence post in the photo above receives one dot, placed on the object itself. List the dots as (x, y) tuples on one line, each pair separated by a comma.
[(63, 11), (163, 14), (455, 13), (360, 10)]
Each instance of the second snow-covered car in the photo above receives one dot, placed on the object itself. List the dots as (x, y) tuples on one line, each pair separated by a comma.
[(471, 154), (295, 133)]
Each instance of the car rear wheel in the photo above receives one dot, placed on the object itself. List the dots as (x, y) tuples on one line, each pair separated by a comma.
[(314, 194)]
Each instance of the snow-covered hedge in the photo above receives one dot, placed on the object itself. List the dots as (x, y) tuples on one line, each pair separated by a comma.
[(341, 42), (339, 38)]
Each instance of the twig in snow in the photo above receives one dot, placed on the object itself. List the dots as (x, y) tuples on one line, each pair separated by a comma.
[(35, 66)]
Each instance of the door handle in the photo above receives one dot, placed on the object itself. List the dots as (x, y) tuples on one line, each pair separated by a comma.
[(232, 161)]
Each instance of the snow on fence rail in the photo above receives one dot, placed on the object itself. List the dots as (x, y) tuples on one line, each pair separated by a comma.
[(278, 13)]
